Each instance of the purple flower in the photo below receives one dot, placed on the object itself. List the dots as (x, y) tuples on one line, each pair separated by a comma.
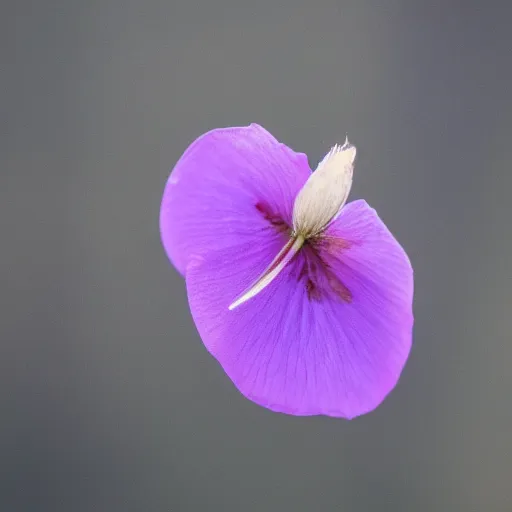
[(304, 300)]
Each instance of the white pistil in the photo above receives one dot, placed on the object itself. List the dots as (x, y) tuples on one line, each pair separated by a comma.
[(325, 192), (272, 271)]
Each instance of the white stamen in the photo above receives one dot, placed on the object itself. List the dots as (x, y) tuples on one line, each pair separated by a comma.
[(271, 272), (325, 192)]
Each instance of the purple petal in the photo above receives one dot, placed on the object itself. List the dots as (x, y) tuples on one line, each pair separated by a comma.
[(338, 351), (223, 187)]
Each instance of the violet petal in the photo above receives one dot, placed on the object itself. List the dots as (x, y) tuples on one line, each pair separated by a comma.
[(304, 354), (221, 189)]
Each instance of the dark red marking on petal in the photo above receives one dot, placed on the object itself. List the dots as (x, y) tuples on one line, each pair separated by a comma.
[(332, 245), (318, 277), (338, 287), (312, 290), (303, 272), (272, 218)]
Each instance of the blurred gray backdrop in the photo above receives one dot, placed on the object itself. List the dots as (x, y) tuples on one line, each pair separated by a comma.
[(108, 400)]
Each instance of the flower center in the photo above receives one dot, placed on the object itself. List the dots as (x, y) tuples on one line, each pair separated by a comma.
[(313, 272)]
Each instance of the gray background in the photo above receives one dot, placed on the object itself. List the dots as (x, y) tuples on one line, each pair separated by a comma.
[(109, 402)]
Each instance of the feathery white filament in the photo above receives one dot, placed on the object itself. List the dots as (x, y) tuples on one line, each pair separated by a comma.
[(271, 272), (325, 192)]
